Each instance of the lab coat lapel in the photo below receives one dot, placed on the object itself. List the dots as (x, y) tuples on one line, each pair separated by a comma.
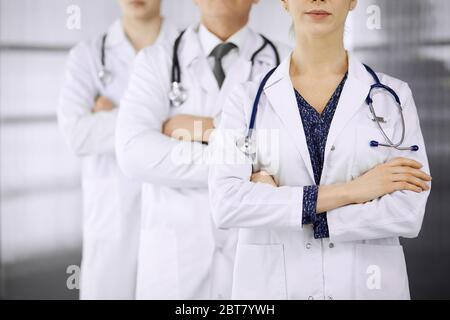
[(241, 70), (196, 63), (352, 99), (202, 70), (118, 41), (280, 92), (238, 73)]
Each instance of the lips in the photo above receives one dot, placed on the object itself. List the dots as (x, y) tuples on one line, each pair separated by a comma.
[(318, 13), (137, 3)]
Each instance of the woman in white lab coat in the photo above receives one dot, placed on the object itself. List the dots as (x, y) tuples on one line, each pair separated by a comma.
[(332, 232), (182, 255), (87, 116)]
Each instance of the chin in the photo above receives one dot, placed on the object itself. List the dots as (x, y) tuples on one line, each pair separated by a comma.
[(320, 30), (140, 14)]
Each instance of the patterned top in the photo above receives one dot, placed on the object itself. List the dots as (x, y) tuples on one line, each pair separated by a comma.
[(316, 127)]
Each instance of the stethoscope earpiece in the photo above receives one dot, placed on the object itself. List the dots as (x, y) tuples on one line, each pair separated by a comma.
[(376, 144)]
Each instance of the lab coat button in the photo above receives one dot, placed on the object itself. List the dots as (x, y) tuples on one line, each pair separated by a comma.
[(333, 148), (308, 246), (310, 298), (331, 245)]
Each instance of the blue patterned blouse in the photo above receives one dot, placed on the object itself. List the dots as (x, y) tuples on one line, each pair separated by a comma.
[(316, 127)]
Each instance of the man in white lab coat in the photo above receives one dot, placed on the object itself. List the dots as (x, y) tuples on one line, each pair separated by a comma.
[(96, 76), (182, 255)]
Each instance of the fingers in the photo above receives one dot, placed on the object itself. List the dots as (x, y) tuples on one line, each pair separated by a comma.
[(400, 161), (103, 104), (258, 175), (411, 180), (412, 172), (398, 186), (263, 177), (103, 101), (166, 128), (407, 176), (262, 173)]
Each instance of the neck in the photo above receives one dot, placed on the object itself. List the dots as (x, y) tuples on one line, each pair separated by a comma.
[(320, 56), (223, 28), (142, 32)]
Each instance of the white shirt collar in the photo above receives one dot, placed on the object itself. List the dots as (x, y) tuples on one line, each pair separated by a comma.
[(116, 33), (209, 41)]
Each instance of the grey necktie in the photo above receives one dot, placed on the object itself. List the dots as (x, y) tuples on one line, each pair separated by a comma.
[(218, 53)]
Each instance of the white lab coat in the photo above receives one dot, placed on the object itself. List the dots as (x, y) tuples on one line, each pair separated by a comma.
[(276, 257), (182, 255), (111, 202)]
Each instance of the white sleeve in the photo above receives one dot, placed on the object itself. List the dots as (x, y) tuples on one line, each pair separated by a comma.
[(143, 151), (236, 201), (399, 214), (87, 133)]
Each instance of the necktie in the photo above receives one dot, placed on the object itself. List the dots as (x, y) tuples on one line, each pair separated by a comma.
[(218, 53)]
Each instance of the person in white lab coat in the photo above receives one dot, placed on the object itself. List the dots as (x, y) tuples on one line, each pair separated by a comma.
[(320, 211), (87, 116), (182, 255)]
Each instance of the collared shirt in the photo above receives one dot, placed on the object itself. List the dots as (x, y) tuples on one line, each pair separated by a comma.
[(117, 38), (316, 127), (209, 41)]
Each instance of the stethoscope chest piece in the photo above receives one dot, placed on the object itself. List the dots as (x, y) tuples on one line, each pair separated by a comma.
[(105, 76), (247, 146), (178, 94)]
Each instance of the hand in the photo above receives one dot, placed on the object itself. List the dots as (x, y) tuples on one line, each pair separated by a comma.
[(395, 175), (102, 104), (263, 177), (188, 127)]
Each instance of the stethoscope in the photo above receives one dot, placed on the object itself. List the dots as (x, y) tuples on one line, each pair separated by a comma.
[(248, 147), (104, 75), (178, 93)]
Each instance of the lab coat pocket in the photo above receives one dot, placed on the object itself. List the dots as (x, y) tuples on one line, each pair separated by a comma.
[(380, 273), (367, 157), (259, 272)]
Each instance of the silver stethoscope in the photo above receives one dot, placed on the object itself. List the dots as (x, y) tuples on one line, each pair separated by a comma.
[(104, 75), (248, 146), (178, 93)]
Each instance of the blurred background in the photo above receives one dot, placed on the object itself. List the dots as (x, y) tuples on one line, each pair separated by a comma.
[(40, 196)]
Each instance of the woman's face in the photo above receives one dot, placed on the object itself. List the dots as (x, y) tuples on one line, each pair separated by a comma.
[(319, 17), (140, 9)]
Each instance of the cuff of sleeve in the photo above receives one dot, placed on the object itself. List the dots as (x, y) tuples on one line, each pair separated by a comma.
[(310, 194), (310, 216), (321, 227)]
